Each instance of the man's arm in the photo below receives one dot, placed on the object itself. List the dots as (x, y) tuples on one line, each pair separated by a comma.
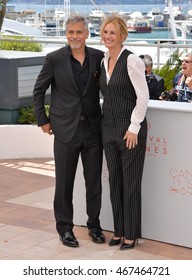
[(160, 88), (43, 82), (152, 85)]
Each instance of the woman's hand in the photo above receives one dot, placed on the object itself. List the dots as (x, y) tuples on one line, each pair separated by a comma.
[(131, 139)]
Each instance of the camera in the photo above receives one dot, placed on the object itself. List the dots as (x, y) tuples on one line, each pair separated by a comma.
[(149, 78), (168, 96)]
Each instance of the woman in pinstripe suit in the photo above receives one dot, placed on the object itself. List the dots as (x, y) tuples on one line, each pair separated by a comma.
[(124, 130)]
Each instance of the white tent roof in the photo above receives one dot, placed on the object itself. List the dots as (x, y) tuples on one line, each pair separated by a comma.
[(18, 28)]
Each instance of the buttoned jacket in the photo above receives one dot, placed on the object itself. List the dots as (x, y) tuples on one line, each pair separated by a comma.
[(66, 102)]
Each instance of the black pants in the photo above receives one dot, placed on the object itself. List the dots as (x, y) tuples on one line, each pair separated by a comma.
[(125, 174), (87, 143)]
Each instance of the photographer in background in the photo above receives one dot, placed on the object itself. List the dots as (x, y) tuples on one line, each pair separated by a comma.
[(155, 82), (182, 83)]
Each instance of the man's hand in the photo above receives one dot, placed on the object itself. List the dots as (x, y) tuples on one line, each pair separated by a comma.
[(47, 128)]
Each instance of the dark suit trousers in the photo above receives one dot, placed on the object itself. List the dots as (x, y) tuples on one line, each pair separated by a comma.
[(87, 143), (125, 174)]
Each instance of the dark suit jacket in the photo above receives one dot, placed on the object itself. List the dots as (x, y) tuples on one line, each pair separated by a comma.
[(160, 86), (66, 102), (156, 86)]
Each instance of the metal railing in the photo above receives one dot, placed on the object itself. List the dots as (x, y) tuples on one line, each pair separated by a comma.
[(159, 49)]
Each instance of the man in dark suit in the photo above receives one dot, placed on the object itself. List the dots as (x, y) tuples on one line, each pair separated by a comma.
[(154, 81), (74, 119)]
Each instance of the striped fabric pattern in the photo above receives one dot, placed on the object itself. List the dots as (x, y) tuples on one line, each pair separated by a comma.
[(125, 166)]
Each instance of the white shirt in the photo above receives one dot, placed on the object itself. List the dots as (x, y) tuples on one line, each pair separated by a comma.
[(136, 70)]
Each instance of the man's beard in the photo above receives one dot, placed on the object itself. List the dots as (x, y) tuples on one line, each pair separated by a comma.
[(75, 45)]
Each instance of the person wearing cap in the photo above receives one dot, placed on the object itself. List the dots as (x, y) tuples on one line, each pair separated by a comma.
[(155, 82)]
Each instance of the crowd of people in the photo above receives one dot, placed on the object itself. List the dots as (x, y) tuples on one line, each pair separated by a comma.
[(182, 82), (78, 75)]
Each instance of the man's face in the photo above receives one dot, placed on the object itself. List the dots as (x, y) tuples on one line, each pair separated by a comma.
[(187, 66), (148, 69), (76, 34)]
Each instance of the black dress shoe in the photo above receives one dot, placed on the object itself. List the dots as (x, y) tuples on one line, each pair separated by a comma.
[(127, 246), (97, 235), (114, 242), (68, 239)]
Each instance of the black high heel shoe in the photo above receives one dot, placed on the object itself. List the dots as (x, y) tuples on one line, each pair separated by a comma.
[(114, 242), (127, 246)]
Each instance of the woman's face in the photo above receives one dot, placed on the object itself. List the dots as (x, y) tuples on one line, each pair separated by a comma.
[(111, 36), (187, 66)]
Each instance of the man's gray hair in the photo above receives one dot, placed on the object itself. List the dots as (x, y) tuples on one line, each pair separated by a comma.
[(147, 59), (76, 19)]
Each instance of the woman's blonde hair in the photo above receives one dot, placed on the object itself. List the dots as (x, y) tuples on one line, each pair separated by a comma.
[(119, 24)]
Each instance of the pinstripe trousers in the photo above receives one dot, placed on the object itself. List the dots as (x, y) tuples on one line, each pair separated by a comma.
[(125, 175)]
